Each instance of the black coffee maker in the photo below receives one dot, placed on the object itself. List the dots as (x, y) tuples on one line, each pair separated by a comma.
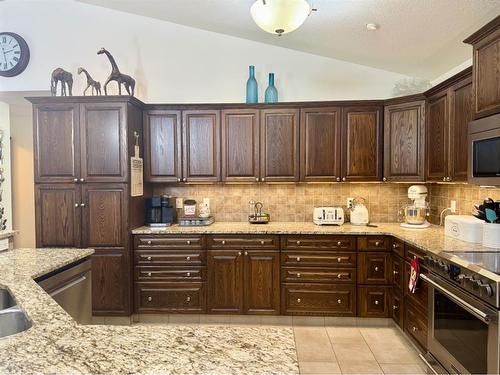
[(160, 211)]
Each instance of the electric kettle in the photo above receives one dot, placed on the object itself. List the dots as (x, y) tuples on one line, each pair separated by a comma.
[(359, 213)]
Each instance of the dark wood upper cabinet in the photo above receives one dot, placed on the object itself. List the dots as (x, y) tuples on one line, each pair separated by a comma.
[(56, 129), (404, 137), (262, 282), (437, 136), (58, 215), (104, 215), (460, 116), (320, 144), (240, 145), (162, 135), (362, 144), (225, 281), (201, 145), (486, 69), (104, 142), (279, 145)]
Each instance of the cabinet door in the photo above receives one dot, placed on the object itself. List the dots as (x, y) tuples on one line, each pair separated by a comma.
[(396, 308), (460, 116), (279, 145), (362, 144), (404, 135), (373, 301), (110, 282), (103, 142), (104, 216), (162, 132), (437, 136), (240, 145), (225, 281), (320, 144), (56, 143), (373, 268), (201, 142), (58, 215), (262, 282)]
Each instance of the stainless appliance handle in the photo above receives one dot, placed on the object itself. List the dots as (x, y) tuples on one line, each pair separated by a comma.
[(68, 285), (427, 364), (473, 310)]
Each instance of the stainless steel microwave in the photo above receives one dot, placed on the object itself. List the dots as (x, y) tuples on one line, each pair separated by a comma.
[(484, 151)]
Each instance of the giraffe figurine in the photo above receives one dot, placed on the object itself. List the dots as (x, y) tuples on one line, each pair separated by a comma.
[(90, 82), (66, 79), (115, 75)]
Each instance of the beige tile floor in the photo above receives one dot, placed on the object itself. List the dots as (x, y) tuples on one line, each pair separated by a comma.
[(324, 345)]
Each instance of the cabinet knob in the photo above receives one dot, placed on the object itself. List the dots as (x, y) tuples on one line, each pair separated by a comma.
[(376, 268), (223, 242), (149, 274), (338, 179), (246, 252), (339, 259), (339, 276), (262, 179), (82, 204), (262, 242), (149, 242), (184, 179), (178, 179), (188, 299), (150, 299), (298, 259), (339, 301), (257, 179), (298, 275), (377, 243), (298, 243), (376, 302), (444, 178), (75, 179), (395, 272), (188, 274), (298, 300), (77, 205), (188, 258), (343, 178), (384, 179), (239, 253), (339, 243), (82, 180), (395, 307), (448, 178), (414, 329), (188, 242), (394, 246), (148, 258)]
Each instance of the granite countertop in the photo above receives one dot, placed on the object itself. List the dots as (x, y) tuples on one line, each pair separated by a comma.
[(57, 344), (432, 239)]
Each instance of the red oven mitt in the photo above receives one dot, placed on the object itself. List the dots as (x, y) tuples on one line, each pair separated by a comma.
[(414, 275)]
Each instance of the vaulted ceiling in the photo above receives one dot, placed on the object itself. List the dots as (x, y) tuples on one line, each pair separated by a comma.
[(418, 38)]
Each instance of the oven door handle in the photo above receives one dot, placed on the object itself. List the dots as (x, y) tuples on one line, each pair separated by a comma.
[(467, 306)]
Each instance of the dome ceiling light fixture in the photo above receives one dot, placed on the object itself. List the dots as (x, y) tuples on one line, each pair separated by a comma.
[(280, 16)]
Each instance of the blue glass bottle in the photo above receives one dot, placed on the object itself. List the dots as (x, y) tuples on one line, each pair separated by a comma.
[(252, 92), (271, 91)]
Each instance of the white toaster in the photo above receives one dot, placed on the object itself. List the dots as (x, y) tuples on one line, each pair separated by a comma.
[(328, 216), (464, 228)]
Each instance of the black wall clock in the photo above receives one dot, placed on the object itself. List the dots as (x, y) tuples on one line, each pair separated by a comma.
[(14, 54)]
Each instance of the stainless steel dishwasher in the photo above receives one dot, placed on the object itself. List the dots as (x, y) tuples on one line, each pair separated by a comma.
[(71, 288)]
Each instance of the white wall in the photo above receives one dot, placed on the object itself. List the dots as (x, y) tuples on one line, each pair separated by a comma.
[(173, 63)]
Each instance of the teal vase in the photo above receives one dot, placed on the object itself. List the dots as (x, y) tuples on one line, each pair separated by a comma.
[(252, 92), (271, 91)]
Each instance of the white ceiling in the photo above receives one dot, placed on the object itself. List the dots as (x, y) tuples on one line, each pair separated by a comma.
[(421, 38)]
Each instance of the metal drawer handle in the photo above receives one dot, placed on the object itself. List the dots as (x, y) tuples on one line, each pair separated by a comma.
[(428, 364), (150, 299), (298, 243), (298, 300), (223, 242), (188, 242), (149, 258), (298, 259), (376, 302), (298, 275), (339, 301), (376, 268), (188, 274), (188, 258), (149, 242), (188, 299)]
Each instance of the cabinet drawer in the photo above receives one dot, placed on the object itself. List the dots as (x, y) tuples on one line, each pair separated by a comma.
[(373, 301), (396, 308), (318, 258), (373, 243), (243, 242), (318, 299), (373, 268), (170, 297), (398, 247), (397, 273), (186, 274), (325, 242), (318, 275), (170, 258), (169, 242), (412, 252), (415, 322), (421, 295)]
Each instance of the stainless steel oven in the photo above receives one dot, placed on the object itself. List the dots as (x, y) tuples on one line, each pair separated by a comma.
[(463, 333), (484, 151)]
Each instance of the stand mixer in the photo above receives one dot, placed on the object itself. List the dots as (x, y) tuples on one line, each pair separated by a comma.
[(415, 214)]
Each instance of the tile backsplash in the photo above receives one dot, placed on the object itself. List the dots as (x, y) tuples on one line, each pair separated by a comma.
[(295, 202)]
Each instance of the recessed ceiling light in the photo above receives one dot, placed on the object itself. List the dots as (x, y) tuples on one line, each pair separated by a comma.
[(371, 26)]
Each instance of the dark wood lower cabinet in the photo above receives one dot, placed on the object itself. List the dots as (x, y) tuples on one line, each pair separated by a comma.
[(110, 282), (373, 301), (171, 297), (415, 324), (396, 308)]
